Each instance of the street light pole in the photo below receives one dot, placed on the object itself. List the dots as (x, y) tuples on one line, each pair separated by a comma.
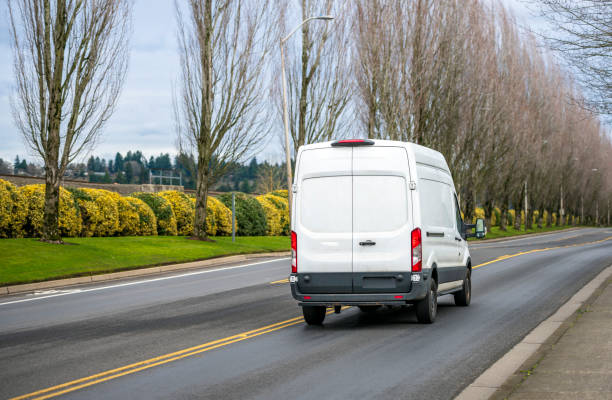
[(286, 112)]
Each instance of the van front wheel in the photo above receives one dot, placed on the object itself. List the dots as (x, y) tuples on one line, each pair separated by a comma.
[(463, 297), (427, 308), (314, 315)]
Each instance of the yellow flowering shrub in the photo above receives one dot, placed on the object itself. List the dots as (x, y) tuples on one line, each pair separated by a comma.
[(273, 216), (28, 215), (282, 205), (223, 216), (280, 193), (108, 224), (9, 199), (147, 223), (183, 208), (129, 219), (166, 221), (478, 213), (218, 217)]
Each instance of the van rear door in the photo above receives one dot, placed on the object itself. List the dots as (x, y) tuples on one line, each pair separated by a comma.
[(382, 220), (324, 215)]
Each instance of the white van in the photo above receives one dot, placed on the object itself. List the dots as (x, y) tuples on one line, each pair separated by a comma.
[(376, 222)]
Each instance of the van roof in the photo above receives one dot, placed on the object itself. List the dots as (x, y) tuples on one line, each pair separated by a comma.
[(421, 154)]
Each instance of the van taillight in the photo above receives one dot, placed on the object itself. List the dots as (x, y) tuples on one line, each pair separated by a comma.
[(417, 250), (293, 253)]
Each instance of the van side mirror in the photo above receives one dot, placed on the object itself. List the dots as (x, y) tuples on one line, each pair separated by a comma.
[(479, 226), (481, 229)]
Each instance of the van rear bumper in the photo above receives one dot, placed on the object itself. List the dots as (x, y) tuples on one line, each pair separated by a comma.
[(417, 292)]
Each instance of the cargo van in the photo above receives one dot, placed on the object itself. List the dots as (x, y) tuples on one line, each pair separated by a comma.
[(376, 223)]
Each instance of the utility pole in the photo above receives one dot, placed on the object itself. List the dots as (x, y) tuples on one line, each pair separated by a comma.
[(285, 112), (526, 206), (582, 209), (561, 210)]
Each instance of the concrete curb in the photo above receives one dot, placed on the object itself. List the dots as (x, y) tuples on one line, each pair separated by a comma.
[(213, 262), (492, 380)]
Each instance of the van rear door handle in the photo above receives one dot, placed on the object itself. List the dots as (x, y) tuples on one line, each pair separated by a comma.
[(367, 243), (457, 238)]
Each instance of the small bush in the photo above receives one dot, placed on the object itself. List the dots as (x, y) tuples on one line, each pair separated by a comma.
[(280, 193), (273, 216), (183, 208), (99, 211), (223, 216), (9, 200), (511, 216), (28, 215), (166, 221), (147, 223), (282, 204), (250, 215), (218, 217)]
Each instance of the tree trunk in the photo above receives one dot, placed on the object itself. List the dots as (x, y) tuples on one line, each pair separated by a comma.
[(517, 212), (50, 231), (199, 226), (540, 216), (503, 217)]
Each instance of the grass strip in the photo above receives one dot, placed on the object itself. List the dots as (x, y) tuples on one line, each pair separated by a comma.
[(29, 260)]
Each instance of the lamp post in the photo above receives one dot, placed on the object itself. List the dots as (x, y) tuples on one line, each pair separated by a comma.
[(285, 112)]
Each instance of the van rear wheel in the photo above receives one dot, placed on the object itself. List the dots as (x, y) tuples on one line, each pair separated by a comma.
[(314, 315), (427, 308), (463, 297)]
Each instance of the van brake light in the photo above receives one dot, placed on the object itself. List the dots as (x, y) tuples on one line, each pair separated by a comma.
[(417, 250), (293, 252), (352, 142)]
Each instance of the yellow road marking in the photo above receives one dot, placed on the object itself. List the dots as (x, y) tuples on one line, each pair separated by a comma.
[(153, 362), (505, 257), (177, 355), (286, 280)]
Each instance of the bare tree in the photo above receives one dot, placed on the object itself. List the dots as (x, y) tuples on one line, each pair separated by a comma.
[(218, 107), (317, 78), (70, 60), (269, 178), (583, 33)]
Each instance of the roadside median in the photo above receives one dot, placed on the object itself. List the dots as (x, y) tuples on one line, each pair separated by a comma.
[(210, 263), (29, 261)]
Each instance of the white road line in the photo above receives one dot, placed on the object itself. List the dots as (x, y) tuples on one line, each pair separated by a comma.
[(207, 271), (484, 245)]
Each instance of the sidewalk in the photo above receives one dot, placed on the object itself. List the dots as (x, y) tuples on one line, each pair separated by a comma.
[(579, 364)]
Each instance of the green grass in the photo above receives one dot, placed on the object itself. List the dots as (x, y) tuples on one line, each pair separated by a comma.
[(29, 260), (495, 232)]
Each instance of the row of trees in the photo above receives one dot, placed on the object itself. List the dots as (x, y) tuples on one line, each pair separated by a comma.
[(454, 75)]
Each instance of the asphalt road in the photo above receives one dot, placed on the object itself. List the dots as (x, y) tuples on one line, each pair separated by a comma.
[(230, 333)]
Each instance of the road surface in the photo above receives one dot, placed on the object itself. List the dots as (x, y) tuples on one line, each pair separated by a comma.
[(235, 332)]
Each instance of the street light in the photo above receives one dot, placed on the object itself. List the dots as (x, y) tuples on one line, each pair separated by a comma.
[(285, 112)]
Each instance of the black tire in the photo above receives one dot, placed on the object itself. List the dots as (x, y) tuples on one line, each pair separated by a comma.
[(464, 297), (314, 315), (368, 309), (427, 309)]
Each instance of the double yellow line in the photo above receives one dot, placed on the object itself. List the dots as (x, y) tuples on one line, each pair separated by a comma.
[(505, 257), (81, 383)]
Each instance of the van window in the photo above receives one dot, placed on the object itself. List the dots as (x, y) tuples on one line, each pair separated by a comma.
[(325, 204), (436, 206), (380, 203)]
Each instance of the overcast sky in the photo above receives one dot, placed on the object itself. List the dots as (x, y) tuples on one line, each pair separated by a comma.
[(143, 119)]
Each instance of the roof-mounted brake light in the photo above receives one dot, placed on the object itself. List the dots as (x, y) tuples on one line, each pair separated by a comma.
[(352, 142)]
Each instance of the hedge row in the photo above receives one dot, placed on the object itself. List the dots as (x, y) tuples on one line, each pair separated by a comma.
[(96, 212)]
